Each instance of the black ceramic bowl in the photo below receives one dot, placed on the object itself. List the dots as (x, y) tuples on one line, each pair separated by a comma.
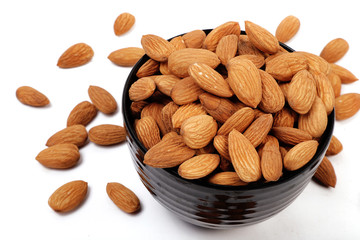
[(214, 206)]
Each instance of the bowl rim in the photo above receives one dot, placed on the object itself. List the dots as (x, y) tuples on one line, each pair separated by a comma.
[(314, 162)]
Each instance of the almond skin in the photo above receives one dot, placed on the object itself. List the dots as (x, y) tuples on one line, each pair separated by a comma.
[(102, 99), (123, 23), (32, 97), (75, 134), (165, 83), (142, 89), (199, 166), (335, 146), (291, 136), (335, 81), (123, 197), (271, 161), (148, 132), (273, 99), (154, 110), (316, 63), (166, 114), (326, 173), (68, 196), (259, 129), (75, 56), (300, 154), (221, 144), (244, 157), (185, 91), (186, 111), (156, 47), (226, 178), (126, 57), (227, 48), (345, 75), (107, 134), (219, 108), (257, 60), (83, 113), (60, 156), (212, 39), (325, 91), (347, 105), (178, 43), (284, 118), (149, 68), (240, 120), (245, 47), (194, 39), (261, 38), (287, 28), (335, 50)]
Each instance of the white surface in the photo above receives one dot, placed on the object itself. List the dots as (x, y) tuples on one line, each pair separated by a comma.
[(35, 33)]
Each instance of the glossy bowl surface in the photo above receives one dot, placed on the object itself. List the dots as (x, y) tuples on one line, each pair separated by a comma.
[(214, 206)]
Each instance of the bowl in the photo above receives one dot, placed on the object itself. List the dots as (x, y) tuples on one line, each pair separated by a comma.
[(215, 206)]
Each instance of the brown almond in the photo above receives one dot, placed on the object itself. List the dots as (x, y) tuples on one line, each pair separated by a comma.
[(156, 47), (347, 105), (325, 173), (186, 111), (227, 48), (102, 100), (324, 91), (178, 43), (154, 110), (165, 83), (137, 107), (107, 134), (142, 89), (149, 68), (221, 144), (226, 178), (83, 113), (185, 91), (164, 68), (287, 28), (300, 155), (208, 149), (271, 161), (335, 50), (75, 134), (32, 97), (75, 56), (123, 23), (259, 129), (212, 39), (219, 108), (199, 166), (290, 135), (273, 99), (194, 39), (126, 57), (316, 63), (147, 131), (345, 75), (245, 47), (257, 60), (335, 83), (60, 156), (284, 118), (335, 146), (123, 197), (166, 114), (68, 196), (240, 120)]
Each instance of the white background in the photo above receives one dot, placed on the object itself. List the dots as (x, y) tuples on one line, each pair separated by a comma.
[(35, 33)]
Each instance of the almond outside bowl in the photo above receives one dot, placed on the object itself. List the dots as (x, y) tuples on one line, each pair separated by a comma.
[(214, 206)]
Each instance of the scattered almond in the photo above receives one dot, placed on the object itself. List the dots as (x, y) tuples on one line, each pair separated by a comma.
[(32, 97), (325, 173), (123, 197), (102, 99), (75, 56), (83, 113), (335, 146), (287, 28), (126, 57), (347, 105), (345, 75), (123, 23), (59, 156), (75, 134), (107, 134), (335, 50)]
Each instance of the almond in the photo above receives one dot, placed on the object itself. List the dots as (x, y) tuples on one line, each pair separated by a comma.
[(32, 97), (245, 47), (126, 57), (227, 48), (137, 107), (156, 47), (186, 111), (102, 99), (316, 63), (261, 38), (286, 65), (284, 118), (154, 110), (219, 108), (259, 129), (165, 83), (325, 91), (287, 28), (244, 157), (149, 68), (171, 151), (164, 68), (194, 39), (257, 60), (123, 197), (75, 56), (244, 79), (147, 132), (75, 134), (335, 50), (335, 146), (291, 136), (209, 80), (83, 113), (271, 161), (345, 75), (123, 23), (179, 61), (178, 43), (347, 105), (142, 89), (221, 145), (212, 39), (302, 92), (240, 120), (325, 173), (335, 83), (198, 131), (166, 114), (199, 166), (300, 155), (60, 156), (273, 99), (185, 91), (208, 149), (68, 196), (107, 134), (226, 178)]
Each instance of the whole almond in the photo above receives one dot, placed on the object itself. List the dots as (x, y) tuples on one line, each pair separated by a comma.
[(209, 80), (325, 173), (102, 99), (302, 91), (335, 81), (75, 134), (137, 107), (164, 68), (123, 197), (178, 43), (156, 47), (219, 108), (316, 63), (123, 23), (325, 91), (259, 129), (154, 110), (287, 28), (271, 161), (221, 144), (226, 178), (59, 156), (167, 113), (83, 113), (126, 57), (345, 75), (212, 39), (244, 79), (199, 166), (300, 155), (194, 39), (185, 91), (347, 105), (290, 135), (186, 111), (171, 151), (75, 56), (68, 196), (32, 97), (107, 134), (227, 48), (149, 68), (179, 61), (273, 99), (257, 60), (165, 83), (261, 38), (198, 131), (147, 132), (240, 120), (284, 118), (335, 146), (244, 157), (142, 89), (335, 50), (245, 47)]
